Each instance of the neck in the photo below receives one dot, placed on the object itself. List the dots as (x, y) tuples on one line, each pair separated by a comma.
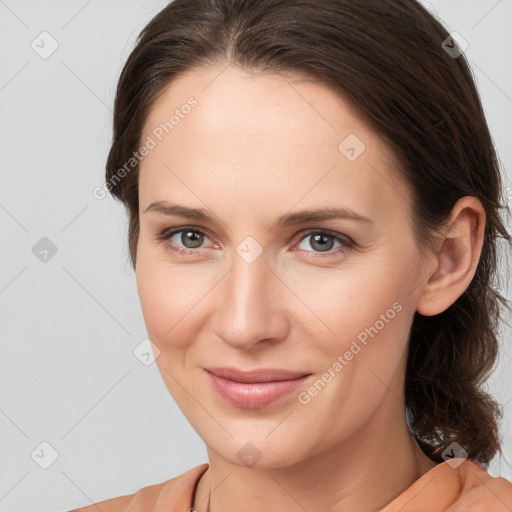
[(362, 474)]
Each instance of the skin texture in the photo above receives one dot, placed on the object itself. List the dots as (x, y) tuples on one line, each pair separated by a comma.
[(254, 148)]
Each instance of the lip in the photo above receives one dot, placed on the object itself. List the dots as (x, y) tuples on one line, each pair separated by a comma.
[(257, 375), (255, 388)]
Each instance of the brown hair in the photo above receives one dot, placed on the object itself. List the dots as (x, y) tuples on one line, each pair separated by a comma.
[(387, 59)]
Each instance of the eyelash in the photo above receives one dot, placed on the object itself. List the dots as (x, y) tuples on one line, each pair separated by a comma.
[(346, 242)]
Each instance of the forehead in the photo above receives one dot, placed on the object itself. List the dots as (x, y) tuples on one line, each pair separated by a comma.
[(288, 106), (264, 136)]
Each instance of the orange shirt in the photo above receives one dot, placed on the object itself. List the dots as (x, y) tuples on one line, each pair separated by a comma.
[(457, 485)]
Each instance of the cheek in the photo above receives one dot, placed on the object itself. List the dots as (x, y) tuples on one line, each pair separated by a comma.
[(350, 304), (368, 344), (171, 297), (364, 327)]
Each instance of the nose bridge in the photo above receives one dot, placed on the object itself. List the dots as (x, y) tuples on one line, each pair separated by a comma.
[(247, 312)]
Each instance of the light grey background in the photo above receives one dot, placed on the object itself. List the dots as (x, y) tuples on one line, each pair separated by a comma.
[(68, 375)]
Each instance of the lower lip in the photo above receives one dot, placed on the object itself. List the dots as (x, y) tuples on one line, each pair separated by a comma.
[(253, 395)]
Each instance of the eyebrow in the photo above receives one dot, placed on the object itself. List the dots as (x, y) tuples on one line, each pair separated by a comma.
[(289, 219)]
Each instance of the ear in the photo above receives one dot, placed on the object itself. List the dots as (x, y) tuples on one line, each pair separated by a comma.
[(456, 257)]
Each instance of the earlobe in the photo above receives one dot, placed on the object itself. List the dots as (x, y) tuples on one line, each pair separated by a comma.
[(456, 259)]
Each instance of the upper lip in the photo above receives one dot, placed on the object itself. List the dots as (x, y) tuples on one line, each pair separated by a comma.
[(257, 375)]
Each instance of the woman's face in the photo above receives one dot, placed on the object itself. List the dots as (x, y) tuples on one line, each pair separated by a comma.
[(265, 282)]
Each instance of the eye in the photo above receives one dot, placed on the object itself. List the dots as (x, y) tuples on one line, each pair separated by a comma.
[(323, 242), (190, 238)]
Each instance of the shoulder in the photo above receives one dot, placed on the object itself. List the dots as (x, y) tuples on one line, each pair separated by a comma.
[(457, 485), (146, 496), (176, 492), (481, 491)]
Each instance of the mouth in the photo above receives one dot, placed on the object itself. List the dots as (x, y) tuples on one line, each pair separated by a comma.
[(255, 388)]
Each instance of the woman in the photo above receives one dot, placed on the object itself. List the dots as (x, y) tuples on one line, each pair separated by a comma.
[(313, 198)]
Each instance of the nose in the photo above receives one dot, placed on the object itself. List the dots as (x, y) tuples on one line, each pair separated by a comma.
[(251, 308)]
